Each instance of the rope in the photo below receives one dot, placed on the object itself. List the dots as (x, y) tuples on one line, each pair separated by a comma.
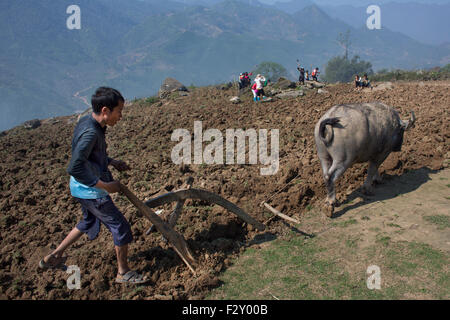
[(298, 174)]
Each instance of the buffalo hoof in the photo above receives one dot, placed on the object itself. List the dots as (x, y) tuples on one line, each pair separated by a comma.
[(368, 191), (329, 209)]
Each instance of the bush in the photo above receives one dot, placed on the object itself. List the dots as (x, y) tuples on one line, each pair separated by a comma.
[(271, 70), (413, 75), (151, 100), (344, 70)]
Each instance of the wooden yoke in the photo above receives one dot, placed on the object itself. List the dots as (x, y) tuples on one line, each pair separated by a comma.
[(175, 239)]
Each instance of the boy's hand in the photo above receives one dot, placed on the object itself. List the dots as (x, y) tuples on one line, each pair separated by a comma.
[(120, 165), (111, 187)]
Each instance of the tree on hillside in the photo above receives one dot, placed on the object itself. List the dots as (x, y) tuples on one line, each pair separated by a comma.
[(344, 41), (344, 70), (271, 70)]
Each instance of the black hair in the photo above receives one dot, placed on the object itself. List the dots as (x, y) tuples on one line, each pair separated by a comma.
[(105, 97)]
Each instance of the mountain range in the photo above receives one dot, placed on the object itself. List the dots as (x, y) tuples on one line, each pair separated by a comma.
[(134, 45)]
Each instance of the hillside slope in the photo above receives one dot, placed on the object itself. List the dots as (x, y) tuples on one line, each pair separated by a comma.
[(37, 210)]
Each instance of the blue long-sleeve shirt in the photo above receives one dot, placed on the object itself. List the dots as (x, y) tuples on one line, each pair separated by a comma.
[(89, 162)]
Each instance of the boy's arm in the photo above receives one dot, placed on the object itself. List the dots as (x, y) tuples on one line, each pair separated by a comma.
[(118, 164), (111, 187), (77, 166)]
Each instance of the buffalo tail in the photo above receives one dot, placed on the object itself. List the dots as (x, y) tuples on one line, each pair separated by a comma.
[(329, 121)]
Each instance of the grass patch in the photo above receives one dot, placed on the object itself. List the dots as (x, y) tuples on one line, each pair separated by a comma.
[(393, 225), (296, 269), (383, 239), (290, 269), (441, 221), (152, 100), (344, 224)]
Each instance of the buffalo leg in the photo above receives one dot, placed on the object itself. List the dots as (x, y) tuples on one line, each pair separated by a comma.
[(373, 174), (336, 170), (325, 161)]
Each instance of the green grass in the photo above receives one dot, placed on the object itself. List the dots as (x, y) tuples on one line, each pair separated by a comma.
[(345, 223), (383, 239), (412, 75), (152, 100), (393, 225), (441, 221), (299, 269), (290, 269)]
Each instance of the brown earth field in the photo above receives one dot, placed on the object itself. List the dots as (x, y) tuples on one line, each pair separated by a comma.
[(37, 210)]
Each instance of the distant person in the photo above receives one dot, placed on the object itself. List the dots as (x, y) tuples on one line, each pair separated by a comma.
[(357, 82), (91, 184), (241, 80), (301, 77), (244, 80), (366, 82), (255, 92), (247, 80), (315, 74), (260, 82), (307, 75)]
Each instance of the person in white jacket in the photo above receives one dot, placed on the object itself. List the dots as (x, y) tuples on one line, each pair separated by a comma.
[(259, 80)]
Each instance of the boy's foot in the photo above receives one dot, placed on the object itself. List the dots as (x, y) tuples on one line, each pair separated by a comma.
[(131, 277), (53, 262)]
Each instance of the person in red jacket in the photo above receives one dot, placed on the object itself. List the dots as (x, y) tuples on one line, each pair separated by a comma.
[(315, 74), (255, 93)]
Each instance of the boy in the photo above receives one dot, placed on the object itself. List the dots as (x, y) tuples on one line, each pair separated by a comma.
[(91, 182), (366, 82)]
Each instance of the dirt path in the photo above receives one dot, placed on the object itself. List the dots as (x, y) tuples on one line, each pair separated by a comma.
[(83, 98), (411, 207)]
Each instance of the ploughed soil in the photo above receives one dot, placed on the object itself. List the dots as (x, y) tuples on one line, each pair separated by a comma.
[(37, 210)]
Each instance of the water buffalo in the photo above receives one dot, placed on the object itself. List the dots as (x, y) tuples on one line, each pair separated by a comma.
[(356, 133)]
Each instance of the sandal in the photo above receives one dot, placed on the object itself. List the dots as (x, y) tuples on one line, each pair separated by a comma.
[(131, 277), (53, 263)]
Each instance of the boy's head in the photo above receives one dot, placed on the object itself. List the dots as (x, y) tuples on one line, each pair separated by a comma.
[(105, 97), (108, 104)]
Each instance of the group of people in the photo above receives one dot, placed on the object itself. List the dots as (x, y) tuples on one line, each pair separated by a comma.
[(304, 75), (258, 85), (362, 82), (258, 88), (244, 79)]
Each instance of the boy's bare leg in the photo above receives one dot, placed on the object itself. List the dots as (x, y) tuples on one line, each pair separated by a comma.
[(73, 236), (122, 256)]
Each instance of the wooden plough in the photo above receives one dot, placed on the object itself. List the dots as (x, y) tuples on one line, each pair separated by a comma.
[(166, 229)]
